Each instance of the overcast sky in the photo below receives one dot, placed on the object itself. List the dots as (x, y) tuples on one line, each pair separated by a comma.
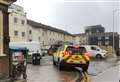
[(73, 15)]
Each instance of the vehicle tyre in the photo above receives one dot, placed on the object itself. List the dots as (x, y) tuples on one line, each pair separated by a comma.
[(54, 63), (59, 64), (24, 76), (85, 67), (98, 56), (60, 67)]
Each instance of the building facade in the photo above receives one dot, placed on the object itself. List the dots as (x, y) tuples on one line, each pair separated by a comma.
[(17, 24), (81, 39), (96, 35), (46, 35), (94, 29), (105, 39), (23, 30)]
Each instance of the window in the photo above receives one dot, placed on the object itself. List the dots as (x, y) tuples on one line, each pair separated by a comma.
[(15, 20), (93, 48), (16, 33), (50, 40), (106, 37), (107, 43), (97, 31), (23, 34), (22, 22), (76, 51), (43, 42), (39, 38), (99, 43), (30, 32), (42, 33), (99, 38)]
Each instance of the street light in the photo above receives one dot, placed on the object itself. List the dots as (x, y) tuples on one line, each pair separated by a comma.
[(114, 25)]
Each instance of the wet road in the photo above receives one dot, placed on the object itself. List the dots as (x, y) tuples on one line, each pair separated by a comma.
[(46, 72)]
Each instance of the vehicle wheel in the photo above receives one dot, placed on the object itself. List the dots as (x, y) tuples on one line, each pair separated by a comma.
[(60, 67), (24, 76), (85, 67), (54, 63), (98, 56)]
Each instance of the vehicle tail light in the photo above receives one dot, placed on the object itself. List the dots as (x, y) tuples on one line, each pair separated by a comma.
[(66, 53), (86, 56)]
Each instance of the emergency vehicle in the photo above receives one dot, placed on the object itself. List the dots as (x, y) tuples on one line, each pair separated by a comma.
[(71, 56)]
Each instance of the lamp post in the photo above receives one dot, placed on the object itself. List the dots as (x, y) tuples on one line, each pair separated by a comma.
[(114, 11)]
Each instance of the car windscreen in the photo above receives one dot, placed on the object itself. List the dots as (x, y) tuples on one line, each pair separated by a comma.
[(75, 50)]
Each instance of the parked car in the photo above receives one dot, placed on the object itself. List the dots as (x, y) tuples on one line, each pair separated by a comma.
[(71, 56), (95, 51), (44, 52)]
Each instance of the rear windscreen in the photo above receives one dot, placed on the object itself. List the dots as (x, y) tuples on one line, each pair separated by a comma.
[(75, 50)]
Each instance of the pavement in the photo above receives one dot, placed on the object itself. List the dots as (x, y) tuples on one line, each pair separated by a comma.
[(97, 67), (110, 75)]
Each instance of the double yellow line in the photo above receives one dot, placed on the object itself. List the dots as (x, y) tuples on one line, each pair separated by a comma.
[(85, 77)]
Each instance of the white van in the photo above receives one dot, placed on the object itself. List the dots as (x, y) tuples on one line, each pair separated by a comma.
[(34, 46), (95, 51)]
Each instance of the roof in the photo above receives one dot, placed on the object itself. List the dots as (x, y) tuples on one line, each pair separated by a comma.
[(105, 34), (99, 34), (46, 27), (94, 26), (80, 34)]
